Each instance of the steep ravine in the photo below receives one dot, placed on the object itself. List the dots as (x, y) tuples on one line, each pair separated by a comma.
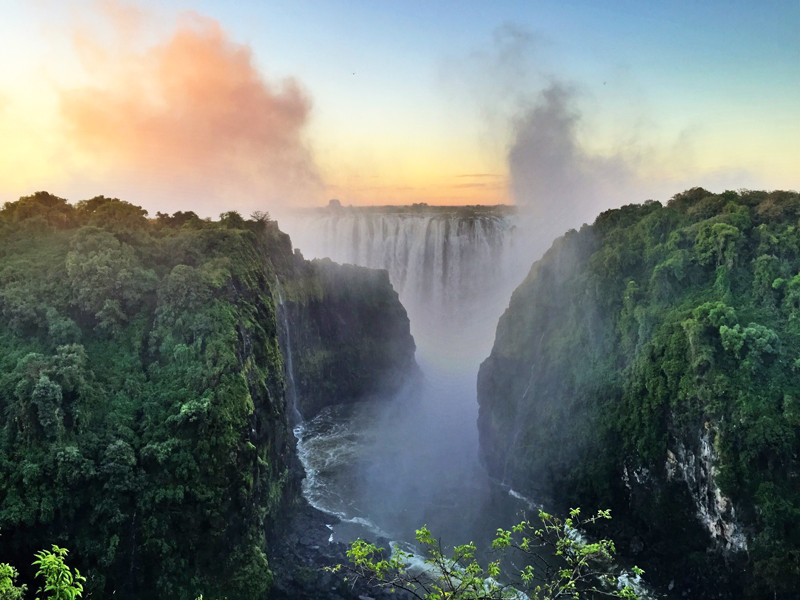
[(453, 267), (345, 338), (647, 364)]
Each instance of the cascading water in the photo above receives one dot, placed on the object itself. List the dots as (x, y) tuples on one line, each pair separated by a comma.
[(454, 268), (291, 389), (384, 469)]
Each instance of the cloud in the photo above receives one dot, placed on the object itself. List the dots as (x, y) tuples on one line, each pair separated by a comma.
[(191, 116), (553, 177), (566, 162), (533, 116), (559, 183)]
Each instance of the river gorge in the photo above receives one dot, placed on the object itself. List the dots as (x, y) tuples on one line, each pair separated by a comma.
[(212, 407), (574, 399), (387, 465)]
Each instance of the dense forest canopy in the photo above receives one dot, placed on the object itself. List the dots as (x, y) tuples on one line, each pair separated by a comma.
[(649, 362), (142, 418)]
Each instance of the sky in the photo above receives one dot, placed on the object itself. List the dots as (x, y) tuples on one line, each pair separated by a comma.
[(213, 105)]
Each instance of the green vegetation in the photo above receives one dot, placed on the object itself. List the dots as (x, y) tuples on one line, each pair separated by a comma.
[(558, 563), (649, 362), (143, 422), (141, 398), (9, 590), (60, 582)]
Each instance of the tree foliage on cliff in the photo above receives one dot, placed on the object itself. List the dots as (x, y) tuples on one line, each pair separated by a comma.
[(141, 411), (663, 342)]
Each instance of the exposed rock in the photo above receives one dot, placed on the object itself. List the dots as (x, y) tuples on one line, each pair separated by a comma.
[(714, 509), (300, 559), (350, 335)]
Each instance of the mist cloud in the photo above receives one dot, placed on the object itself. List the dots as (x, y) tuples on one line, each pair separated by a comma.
[(534, 117), (190, 116), (566, 162), (554, 179)]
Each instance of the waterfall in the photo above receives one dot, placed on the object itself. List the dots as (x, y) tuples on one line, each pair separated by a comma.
[(454, 268), (291, 389), (394, 465)]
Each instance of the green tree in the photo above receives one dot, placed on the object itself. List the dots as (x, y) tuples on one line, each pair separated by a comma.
[(106, 277), (60, 583), (559, 563), (8, 588)]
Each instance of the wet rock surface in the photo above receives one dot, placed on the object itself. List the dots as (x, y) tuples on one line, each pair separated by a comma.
[(300, 559)]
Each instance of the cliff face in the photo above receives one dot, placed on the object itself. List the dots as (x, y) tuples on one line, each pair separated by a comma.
[(349, 335), (144, 422), (647, 364), (142, 414)]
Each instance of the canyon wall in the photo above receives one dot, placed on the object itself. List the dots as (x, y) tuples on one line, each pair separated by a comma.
[(344, 330), (647, 364)]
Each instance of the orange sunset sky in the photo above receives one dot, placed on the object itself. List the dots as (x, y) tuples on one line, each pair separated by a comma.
[(212, 106)]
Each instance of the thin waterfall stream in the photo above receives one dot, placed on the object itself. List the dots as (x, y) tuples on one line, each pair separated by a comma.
[(292, 387)]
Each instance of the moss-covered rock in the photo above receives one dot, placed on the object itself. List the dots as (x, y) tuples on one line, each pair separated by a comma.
[(350, 336)]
